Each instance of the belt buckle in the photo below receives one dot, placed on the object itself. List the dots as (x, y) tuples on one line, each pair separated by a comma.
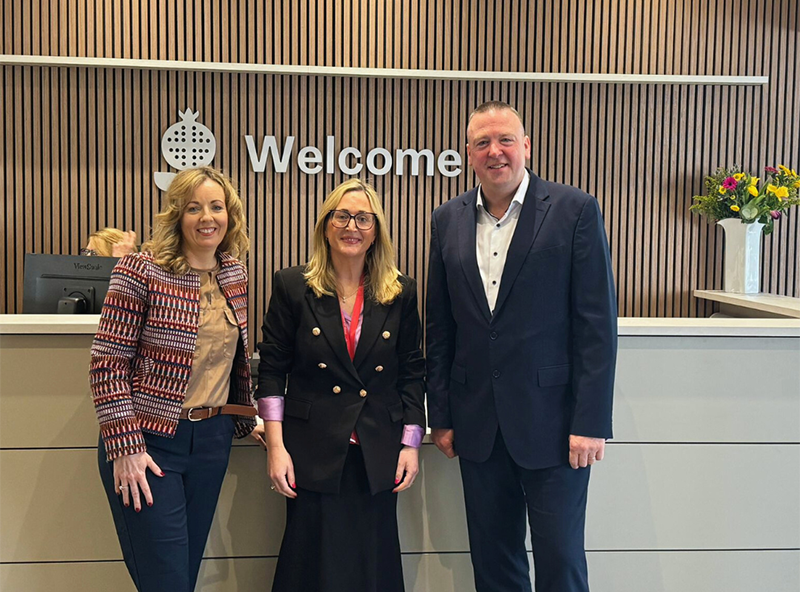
[(189, 414)]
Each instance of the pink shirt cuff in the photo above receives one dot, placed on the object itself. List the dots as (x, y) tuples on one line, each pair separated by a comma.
[(412, 436), (270, 408)]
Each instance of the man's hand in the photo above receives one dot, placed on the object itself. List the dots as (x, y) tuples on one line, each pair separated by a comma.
[(585, 451), (444, 438)]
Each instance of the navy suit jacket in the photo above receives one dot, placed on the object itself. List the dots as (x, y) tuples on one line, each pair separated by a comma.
[(542, 366)]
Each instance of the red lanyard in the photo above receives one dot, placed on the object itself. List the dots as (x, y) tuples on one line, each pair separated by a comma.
[(350, 336)]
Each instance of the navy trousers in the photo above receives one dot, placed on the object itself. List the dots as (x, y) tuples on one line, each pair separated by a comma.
[(497, 493), (163, 544)]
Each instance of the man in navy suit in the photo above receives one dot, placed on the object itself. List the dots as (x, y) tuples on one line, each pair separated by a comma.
[(521, 348)]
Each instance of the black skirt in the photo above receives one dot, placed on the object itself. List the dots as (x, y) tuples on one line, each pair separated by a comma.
[(341, 543)]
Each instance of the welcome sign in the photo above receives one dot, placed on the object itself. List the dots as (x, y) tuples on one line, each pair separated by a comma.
[(379, 161), (189, 144)]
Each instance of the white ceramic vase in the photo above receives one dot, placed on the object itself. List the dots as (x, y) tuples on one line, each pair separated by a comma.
[(741, 272)]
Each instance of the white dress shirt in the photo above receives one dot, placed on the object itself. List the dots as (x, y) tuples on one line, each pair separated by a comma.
[(492, 239)]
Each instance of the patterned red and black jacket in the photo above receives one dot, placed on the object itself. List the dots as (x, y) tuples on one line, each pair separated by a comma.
[(143, 350)]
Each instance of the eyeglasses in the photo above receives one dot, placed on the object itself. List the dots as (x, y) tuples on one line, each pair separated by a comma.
[(341, 218)]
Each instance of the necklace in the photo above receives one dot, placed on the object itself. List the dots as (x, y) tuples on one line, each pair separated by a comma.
[(345, 298)]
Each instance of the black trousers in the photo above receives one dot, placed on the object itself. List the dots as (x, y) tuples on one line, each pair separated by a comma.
[(163, 544), (497, 494)]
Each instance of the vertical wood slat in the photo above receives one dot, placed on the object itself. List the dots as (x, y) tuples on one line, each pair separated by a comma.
[(7, 185), (81, 146)]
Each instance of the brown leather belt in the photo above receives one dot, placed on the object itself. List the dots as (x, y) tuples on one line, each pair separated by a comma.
[(200, 413)]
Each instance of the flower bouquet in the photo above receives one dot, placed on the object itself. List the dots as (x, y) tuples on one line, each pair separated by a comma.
[(733, 193)]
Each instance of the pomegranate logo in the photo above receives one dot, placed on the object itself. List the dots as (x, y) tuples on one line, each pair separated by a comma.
[(186, 144)]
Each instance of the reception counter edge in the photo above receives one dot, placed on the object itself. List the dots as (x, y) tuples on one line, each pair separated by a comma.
[(628, 326)]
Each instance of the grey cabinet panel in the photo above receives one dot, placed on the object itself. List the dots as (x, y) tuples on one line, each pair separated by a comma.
[(702, 496), (644, 497), (713, 571), (54, 508), (709, 571), (707, 389), (46, 376), (66, 577)]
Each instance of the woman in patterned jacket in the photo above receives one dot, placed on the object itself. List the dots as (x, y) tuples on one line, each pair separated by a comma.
[(170, 378)]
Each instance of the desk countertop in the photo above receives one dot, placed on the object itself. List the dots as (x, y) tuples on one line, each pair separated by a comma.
[(48, 324), (785, 306), (628, 326)]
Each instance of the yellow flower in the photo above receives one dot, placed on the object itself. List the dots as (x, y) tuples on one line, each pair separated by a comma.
[(782, 192), (784, 170), (794, 173), (735, 208), (739, 176), (754, 180), (753, 191), (796, 185), (771, 189), (723, 191)]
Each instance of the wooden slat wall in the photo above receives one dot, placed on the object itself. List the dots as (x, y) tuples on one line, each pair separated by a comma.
[(80, 146)]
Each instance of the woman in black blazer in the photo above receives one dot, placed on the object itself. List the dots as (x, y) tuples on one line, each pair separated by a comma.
[(340, 389)]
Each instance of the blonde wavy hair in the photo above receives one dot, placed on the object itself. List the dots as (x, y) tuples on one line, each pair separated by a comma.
[(381, 276), (167, 242), (103, 241)]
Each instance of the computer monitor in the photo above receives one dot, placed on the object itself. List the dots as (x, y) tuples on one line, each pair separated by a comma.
[(65, 284)]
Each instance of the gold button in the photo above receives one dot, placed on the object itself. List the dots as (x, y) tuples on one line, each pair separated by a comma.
[(363, 393), (378, 368), (316, 331), (386, 335), (322, 365), (337, 389)]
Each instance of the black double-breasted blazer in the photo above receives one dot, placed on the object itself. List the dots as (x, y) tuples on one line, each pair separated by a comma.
[(303, 356)]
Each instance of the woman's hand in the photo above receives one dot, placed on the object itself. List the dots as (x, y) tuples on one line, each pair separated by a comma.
[(125, 246), (407, 468), (130, 478), (281, 471)]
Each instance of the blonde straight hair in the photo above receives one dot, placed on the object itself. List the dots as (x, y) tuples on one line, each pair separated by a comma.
[(167, 242), (381, 276)]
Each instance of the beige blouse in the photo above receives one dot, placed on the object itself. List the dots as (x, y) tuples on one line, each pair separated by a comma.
[(217, 338)]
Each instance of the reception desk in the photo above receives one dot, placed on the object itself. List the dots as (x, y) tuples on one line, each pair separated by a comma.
[(698, 492)]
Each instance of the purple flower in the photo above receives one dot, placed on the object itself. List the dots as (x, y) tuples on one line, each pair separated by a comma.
[(775, 214), (730, 184), (772, 170)]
